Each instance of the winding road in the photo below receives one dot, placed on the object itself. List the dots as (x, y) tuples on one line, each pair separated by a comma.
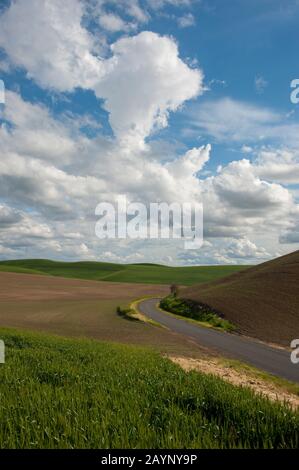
[(272, 360)]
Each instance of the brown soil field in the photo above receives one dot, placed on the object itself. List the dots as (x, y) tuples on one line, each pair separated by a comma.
[(80, 308), (263, 301), (21, 287)]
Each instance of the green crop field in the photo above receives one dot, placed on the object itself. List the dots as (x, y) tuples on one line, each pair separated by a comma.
[(63, 393), (142, 273)]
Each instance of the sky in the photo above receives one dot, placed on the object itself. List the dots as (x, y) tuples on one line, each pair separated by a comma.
[(158, 100)]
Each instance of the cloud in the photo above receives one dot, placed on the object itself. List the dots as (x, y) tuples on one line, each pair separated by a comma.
[(186, 20), (245, 249), (133, 8), (238, 184), (146, 80), (116, 15), (260, 84), (114, 23), (191, 163), (229, 251), (20, 230), (240, 201), (46, 38), (279, 165), (52, 175), (35, 133), (57, 182), (8, 216), (159, 4), (290, 236), (246, 149), (142, 81), (228, 120)]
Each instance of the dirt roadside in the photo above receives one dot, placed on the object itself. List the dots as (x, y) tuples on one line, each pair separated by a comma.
[(237, 377)]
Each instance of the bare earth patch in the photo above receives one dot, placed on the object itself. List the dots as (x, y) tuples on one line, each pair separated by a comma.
[(82, 308), (228, 373), (23, 287), (253, 299)]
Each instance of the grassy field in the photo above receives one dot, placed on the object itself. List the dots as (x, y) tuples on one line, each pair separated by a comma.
[(63, 393), (141, 273)]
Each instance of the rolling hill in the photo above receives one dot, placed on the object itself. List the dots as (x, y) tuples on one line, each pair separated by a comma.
[(99, 271), (262, 301)]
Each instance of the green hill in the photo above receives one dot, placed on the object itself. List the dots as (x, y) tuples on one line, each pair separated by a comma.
[(143, 273)]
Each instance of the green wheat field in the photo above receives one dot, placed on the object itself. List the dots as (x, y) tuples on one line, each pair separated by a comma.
[(66, 393)]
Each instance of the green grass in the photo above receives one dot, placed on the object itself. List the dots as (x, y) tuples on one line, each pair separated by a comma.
[(17, 269), (143, 273), (62, 393), (194, 311)]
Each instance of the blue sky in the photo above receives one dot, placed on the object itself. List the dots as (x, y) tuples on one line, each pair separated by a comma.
[(106, 97)]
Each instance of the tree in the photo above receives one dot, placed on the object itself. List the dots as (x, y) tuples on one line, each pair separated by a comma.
[(174, 290)]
